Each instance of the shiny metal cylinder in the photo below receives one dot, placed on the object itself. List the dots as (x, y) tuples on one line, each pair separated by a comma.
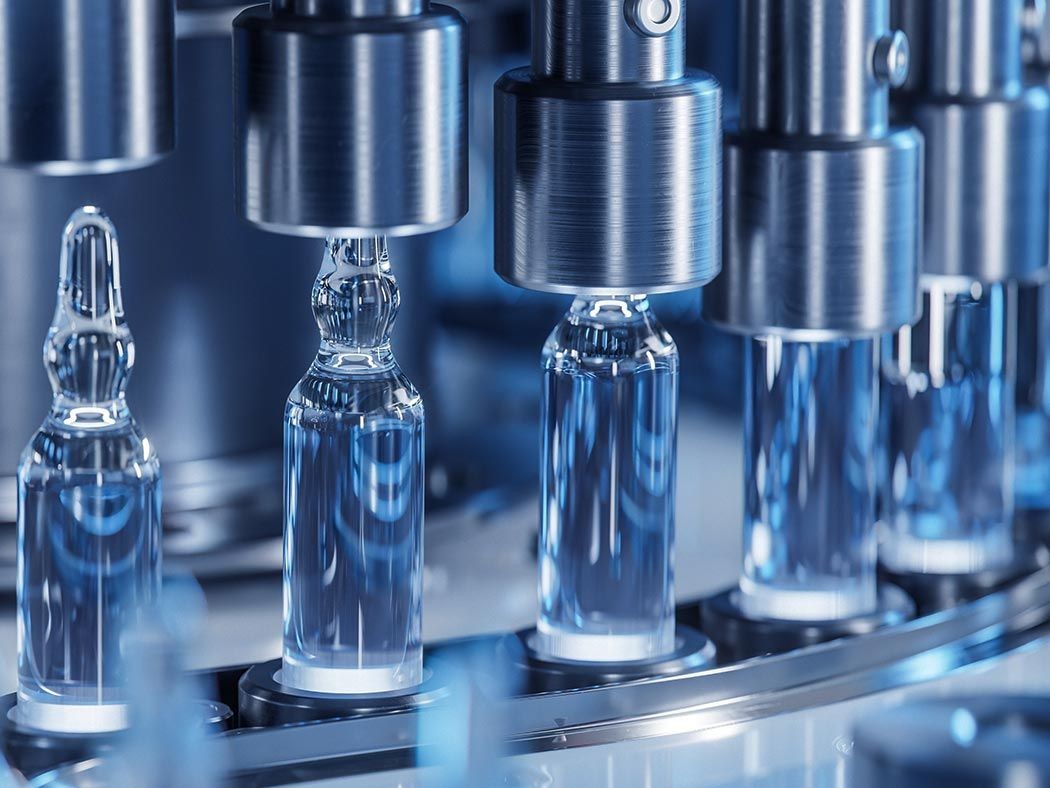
[(823, 198), (86, 87), (987, 139), (809, 68), (962, 48), (589, 42), (350, 125), (608, 154)]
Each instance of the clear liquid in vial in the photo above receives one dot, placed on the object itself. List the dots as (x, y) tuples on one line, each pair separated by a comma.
[(354, 492), (89, 533), (608, 484)]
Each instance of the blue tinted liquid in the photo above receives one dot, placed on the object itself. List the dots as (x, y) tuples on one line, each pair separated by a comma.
[(809, 479), (1032, 482), (89, 561), (608, 483), (948, 431), (353, 546)]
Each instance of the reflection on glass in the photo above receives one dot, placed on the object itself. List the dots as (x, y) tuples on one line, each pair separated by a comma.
[(948, 431), (353, 569), (809, 479), (88, 503), (608, 482), (1032, 483)]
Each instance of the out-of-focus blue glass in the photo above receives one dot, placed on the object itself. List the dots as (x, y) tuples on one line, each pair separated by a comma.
[(89, 501), (354, 489), (948, 430), (810, 423), (608, 484), (1032, 480)]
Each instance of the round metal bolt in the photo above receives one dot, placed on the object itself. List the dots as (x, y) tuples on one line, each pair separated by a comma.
[(653, 17), (1035, 25), (892, 59)]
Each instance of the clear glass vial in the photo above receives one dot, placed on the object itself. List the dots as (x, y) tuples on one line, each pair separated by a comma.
[(607, 470), (1032, 447), (947, 494), (89, 532), (354, 490), (810, 421)]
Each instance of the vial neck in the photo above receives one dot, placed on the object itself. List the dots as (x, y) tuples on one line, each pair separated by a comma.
[(79, 414), (610, 309), (355, 302), (340, 359)]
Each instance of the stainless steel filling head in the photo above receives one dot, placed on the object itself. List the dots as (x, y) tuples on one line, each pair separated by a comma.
[(87, 86), (350, 117), (823, 196), (987, 146), (608, 154)]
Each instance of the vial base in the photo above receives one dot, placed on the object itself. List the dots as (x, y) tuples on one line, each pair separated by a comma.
[(826, 600), (576, 646), (69, 717), (902, 551), (350, 681)]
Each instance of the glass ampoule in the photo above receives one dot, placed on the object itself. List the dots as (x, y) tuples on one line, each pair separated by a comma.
[(948, 426), (1032, 446), (810, 423), (354, 490), (608, 423), (89, 528)]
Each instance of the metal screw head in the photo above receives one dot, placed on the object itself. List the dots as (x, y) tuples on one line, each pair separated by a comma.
[(1035, 26), (653, 17), (892, 59)]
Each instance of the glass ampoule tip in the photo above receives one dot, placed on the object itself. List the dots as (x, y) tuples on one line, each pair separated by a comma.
[(89, 277)]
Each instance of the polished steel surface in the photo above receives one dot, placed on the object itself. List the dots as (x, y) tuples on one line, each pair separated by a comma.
[(350, 126), (963, 48), (342, 9), (608, 157), (823, 200), (809, 68), (608, 40), (86, 86), (987, 138)]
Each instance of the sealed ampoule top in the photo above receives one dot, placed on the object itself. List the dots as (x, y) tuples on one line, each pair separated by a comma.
[(88, 502)]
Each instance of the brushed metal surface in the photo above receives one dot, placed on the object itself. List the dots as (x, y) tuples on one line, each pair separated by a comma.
[(962, 48), (86, 86), (351, 126), (987, 155), (608, 158), (808, 67), (821, 241), (823, 198), (594, 42), (606, 189)]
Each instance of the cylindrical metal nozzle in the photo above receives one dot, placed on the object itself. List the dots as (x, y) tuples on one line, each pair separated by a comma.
[(988, 152), (817, 69), (608, 154), (608, 41), (822, 197), (86, 86), (350, 117)]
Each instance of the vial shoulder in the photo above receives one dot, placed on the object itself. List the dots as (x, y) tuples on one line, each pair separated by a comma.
[(383, 392), (630, 345), (113, 451)]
